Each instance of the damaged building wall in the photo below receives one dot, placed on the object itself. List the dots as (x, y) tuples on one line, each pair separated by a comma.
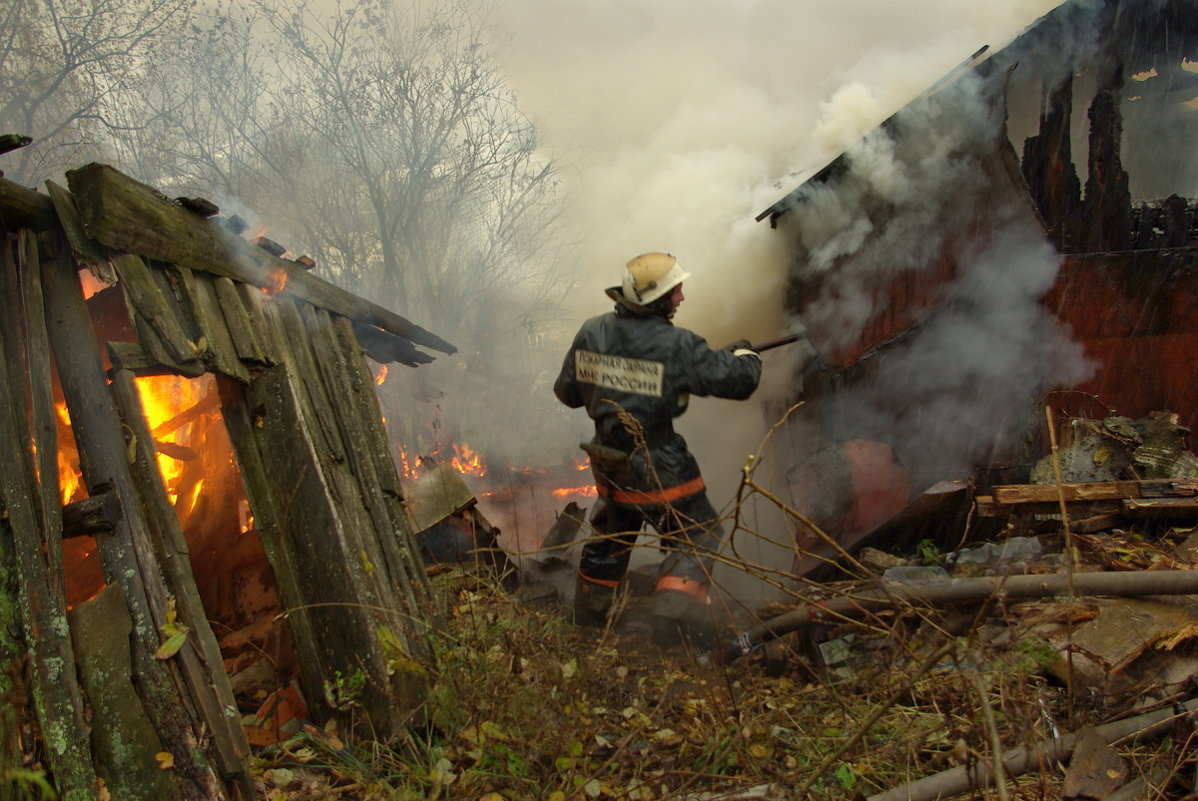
[(1025, 226)]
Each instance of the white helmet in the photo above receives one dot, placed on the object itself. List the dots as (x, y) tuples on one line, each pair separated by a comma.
[(650, 276)]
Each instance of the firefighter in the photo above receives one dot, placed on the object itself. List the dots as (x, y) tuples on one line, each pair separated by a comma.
[(634, 371)]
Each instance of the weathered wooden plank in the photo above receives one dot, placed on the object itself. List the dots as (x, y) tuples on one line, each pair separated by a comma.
[(1162, 507), (25, 208), (254, 299), (126, 215), (401, 549), (87, 252), (379, 491), (1094, 491), (133, 357), (318, 408), (198, 294), (147, 303), (237, 318), (12, 651), (102, 449), (988, 507), (322, 577), (124, 739), (43, 417), (199, 660), (58, 699)]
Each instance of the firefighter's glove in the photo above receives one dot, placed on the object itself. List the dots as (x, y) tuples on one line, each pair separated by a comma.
[(742, 347)]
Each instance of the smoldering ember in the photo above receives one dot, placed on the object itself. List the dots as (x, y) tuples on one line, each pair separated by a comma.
[(966, 542)]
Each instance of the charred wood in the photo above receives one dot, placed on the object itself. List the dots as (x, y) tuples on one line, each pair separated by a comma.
[(1106, 210), (385, 347), (1048, 166), (11, 142), (92, 516), (199, 206)]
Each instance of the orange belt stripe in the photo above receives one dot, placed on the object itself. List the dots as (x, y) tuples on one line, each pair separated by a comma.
[(695, 589), (600, 582), (650, 497)]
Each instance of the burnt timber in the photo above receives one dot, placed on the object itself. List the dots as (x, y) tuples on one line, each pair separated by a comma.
[(1080, 130), (286, 350)]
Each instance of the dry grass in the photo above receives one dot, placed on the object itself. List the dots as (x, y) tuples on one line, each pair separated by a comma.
[(526, 705)]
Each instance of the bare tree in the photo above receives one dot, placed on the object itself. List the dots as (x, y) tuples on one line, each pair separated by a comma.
[(411, 119), (65, 66)]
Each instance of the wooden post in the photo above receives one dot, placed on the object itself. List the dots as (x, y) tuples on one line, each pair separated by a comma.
[(36, 529), (199, 660), (127, 553)]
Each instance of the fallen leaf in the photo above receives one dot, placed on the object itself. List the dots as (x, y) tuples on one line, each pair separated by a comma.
[(166, 760)]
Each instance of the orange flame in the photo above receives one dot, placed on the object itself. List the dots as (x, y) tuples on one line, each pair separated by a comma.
[(588, 491), (163, 398), (70, 479), (276, 281), (382, 376), (461, 458), (467, 461)]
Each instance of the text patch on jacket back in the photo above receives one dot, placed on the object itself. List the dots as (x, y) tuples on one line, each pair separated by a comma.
[(622, 373)]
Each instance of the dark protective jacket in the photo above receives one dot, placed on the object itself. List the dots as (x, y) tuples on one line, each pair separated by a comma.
[(647, 367)]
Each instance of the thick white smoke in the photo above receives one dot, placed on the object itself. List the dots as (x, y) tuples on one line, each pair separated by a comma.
[(679, 122)]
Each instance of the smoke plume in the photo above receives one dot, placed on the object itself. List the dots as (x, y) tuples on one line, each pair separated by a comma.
[(679, 122)]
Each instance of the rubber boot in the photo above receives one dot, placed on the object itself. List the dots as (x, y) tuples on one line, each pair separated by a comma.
[(591, 602), (682, 614)]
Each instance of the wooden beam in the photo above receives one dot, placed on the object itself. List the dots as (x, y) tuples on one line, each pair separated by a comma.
[(126, 215), (26, 208), (1011, 494)]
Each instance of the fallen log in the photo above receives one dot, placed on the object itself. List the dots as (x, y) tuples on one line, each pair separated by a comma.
[(957, 590), (1017, 761)]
